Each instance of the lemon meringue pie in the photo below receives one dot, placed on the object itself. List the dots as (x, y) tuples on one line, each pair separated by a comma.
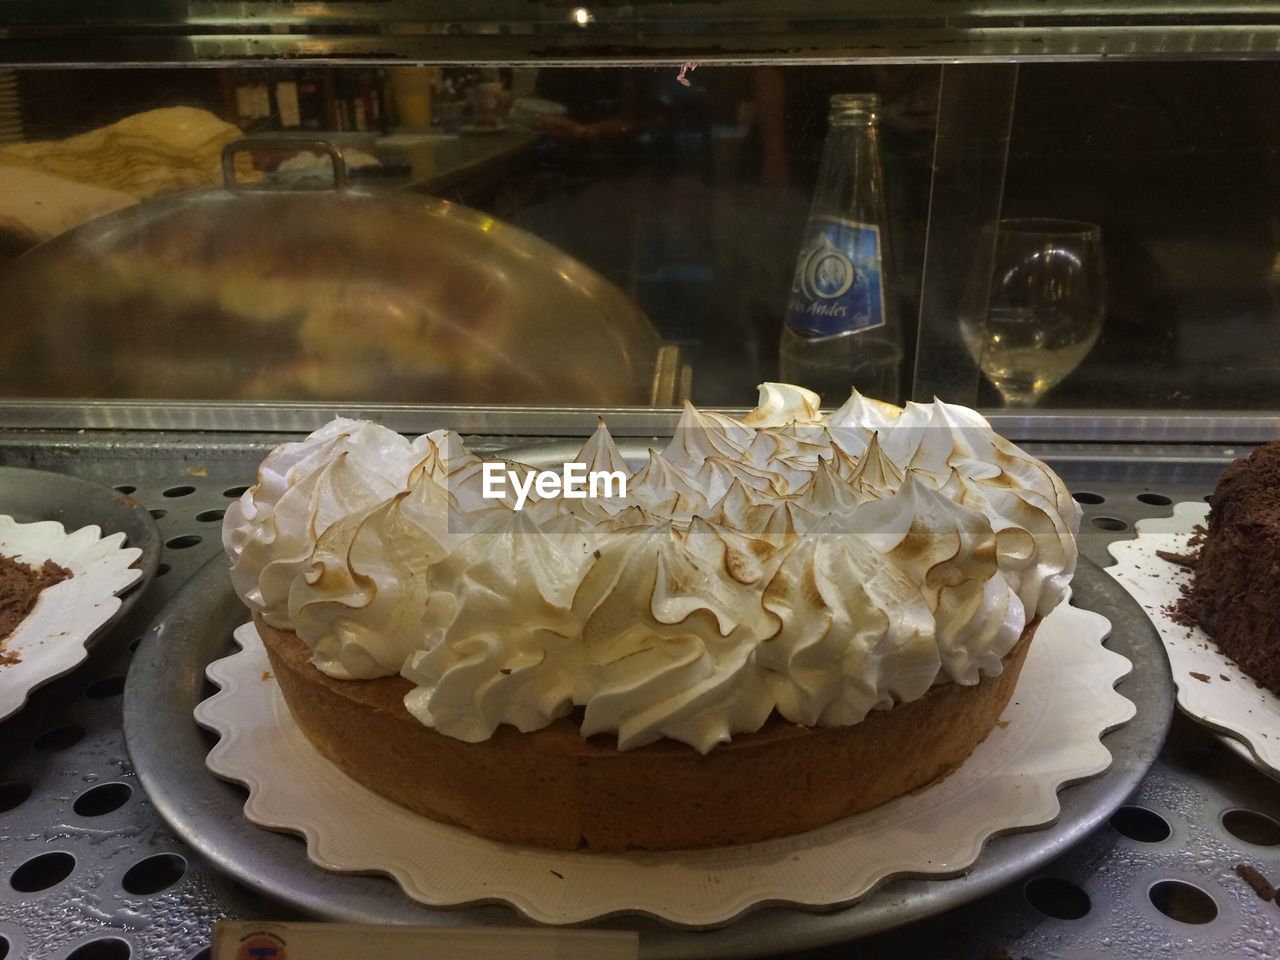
[(789, 617)]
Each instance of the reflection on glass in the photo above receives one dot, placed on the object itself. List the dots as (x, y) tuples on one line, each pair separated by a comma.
[(1045, 307), (686, 200)]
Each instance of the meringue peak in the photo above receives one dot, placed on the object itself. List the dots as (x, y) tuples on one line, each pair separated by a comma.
[(601, 453), (781, 404)]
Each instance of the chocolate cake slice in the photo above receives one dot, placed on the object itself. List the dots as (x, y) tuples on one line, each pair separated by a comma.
[(1235, 594), (20, 586)]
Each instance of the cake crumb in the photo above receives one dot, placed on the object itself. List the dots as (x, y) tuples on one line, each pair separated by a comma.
[(1202, 677), (1223, 676), (1181, 559), (1002, 724), (266, 675), (1254, 878), (1173, 610)]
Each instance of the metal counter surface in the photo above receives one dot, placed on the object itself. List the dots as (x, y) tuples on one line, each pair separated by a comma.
[(1158, 881), (439, 162)]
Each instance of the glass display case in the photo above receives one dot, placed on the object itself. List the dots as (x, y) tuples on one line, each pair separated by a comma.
[(677, 163), (222, 224)]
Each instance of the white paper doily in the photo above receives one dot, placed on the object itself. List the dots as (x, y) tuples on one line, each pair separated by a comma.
[(1226, 699), (51, 640), (1065, 701)]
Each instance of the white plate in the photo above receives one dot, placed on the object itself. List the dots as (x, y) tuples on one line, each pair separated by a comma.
[(1064, 702), (51, 640), (1228, 701)]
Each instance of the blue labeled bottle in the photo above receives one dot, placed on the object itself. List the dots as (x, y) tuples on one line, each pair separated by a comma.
[(840, 331)]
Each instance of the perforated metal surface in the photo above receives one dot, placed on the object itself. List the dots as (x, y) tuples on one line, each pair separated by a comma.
[(133, 890)]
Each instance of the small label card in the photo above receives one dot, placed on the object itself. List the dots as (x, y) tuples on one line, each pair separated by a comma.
[(264, 940)]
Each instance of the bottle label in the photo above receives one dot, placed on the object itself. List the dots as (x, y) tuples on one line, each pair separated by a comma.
[(837, 286)]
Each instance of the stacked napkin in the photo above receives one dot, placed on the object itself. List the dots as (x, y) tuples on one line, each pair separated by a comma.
[(158, 151)]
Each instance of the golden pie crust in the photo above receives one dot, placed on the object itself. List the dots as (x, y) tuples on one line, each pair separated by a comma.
[(553, 788)]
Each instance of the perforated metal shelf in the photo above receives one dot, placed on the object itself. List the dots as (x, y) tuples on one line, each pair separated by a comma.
[(88, 871)]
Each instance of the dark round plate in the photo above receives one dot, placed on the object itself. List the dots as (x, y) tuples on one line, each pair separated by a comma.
[(31, 495), (168, 751)]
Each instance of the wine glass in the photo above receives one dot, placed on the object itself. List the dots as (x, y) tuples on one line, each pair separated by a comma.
[(1044, 309)]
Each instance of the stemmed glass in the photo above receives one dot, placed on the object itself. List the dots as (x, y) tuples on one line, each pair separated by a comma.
[(1044, 309)]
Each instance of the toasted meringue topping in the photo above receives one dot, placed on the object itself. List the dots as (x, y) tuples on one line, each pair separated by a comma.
[(817, 567)]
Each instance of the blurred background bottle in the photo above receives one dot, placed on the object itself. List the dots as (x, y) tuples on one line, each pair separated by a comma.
[(412, 89), (840, 330)]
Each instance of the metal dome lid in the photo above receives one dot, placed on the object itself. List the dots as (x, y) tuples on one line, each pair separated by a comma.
[(351, 294)]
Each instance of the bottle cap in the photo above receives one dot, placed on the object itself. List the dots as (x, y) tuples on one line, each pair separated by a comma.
[(854, 107)]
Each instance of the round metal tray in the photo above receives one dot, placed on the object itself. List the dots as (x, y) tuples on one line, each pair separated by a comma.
[(168, 751), (31, 495)]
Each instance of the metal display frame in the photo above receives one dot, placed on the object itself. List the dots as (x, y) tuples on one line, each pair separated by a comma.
[(68, 742), (75, 33), (112, 422)]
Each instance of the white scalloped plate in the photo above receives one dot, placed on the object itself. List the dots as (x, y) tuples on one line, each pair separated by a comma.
[(52, 639), (1064, 702), (1229, 701)]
